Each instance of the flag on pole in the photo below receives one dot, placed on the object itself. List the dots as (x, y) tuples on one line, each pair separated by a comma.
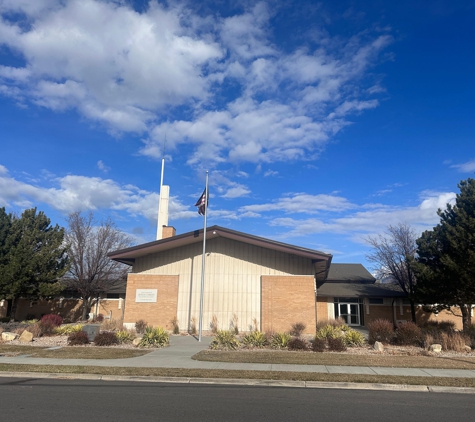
[(202, 203)]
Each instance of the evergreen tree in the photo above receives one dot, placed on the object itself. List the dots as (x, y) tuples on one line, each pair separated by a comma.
[(32, 258), (445, 262)]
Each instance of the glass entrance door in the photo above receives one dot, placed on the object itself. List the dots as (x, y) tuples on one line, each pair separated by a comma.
[(350, 312)]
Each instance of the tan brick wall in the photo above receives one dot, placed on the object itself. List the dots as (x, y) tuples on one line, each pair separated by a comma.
[(453, 315), (322, 309), (380, 312), (110, 307), (159, 313), (286, 300), (70, 309)]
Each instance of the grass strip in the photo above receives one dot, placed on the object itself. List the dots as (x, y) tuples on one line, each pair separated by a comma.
[(235, 374), (71, 352), (335, 359)]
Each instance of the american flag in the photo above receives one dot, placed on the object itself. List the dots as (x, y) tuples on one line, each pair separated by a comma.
[(202, 203)]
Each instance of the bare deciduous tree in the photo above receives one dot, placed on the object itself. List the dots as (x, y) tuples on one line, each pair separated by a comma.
[(393, 252), (91, 271)]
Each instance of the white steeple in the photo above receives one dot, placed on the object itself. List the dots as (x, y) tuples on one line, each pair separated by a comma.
[(162, 205)]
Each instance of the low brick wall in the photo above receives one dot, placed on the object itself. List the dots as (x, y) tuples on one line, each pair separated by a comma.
[(159, 313)]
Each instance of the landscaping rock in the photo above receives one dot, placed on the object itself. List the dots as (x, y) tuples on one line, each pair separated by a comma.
[(26, 337), (436, 348), (9, 336), (378, 346), (136, 341)]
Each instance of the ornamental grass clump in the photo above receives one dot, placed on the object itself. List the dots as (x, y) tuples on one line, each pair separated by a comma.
[(380, 330), (224, 340), (140, 326), (106, 338), (329, 331), (280, 340), (66, 330), (470, 333), (297, 329), (176, 327), (124, 337), (353, 338), (254, 339), (154, 337)]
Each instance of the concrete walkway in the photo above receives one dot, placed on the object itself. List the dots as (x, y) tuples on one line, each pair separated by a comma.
[(178, 355)]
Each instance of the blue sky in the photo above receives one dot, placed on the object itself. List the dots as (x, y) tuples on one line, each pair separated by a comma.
[(319, 123)]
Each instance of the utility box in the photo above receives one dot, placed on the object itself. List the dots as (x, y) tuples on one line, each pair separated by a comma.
[(91, 330)]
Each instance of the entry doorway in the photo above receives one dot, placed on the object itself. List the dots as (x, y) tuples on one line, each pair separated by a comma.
[(349, 309), (350, 313)]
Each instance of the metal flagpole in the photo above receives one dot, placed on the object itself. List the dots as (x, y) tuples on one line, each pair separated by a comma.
[(203, 263)]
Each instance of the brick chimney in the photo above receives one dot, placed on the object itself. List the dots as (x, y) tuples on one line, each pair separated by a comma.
[(168, 231)]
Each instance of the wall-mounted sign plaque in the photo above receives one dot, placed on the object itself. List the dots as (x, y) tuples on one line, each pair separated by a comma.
[(146, 295)]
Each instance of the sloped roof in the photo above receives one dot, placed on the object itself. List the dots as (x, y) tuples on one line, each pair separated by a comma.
[(128, 256), (354, 280), (350, 272), (360, 290)]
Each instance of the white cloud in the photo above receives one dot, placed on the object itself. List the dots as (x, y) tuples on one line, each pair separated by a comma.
[(375, 219), (303, 203), (468, 167), (271, 173), (136, 72), (72, 193), (236, 192), (102, 166), (108, 61)]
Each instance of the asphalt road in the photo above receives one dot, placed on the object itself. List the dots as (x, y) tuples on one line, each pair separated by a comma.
[(80, 400)]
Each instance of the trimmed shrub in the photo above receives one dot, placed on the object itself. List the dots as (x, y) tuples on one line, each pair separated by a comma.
[(224, 340), (336, 344), (53, 319), (106, 338), (435, 327), (319, 345), (254, 339), (280, 340), (380, 330), (297, 329), (125, 337), (78, 339), (298, 343), (154, 337), (409, 334), (353, 338), (140, 326)]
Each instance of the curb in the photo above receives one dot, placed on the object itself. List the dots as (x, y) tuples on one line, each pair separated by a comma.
[(245, 382)]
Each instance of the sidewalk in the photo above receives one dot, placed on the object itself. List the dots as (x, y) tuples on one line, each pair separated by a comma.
[(178, 355)]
